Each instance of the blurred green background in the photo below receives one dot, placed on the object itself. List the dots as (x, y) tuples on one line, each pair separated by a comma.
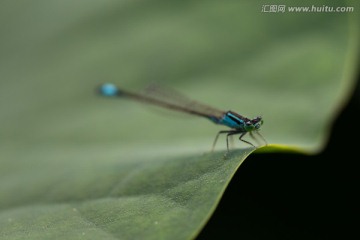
[(294, 69)]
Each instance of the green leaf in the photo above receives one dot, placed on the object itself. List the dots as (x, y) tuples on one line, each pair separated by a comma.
[(142, 199), (74, 165)]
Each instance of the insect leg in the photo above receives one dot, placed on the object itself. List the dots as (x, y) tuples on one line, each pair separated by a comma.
[(253, 137), (227, 138), (217, 136), (262, 138), (240, 138)]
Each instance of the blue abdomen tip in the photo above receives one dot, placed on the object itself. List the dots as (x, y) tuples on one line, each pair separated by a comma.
[(108, 89)]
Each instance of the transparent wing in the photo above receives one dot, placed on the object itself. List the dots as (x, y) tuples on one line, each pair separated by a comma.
[(172, 97)]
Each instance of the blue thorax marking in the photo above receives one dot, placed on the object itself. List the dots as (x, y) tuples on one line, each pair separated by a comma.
[(232, 121), (229, 119)]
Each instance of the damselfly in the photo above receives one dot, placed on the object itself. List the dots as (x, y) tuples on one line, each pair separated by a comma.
[(172, 100)]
